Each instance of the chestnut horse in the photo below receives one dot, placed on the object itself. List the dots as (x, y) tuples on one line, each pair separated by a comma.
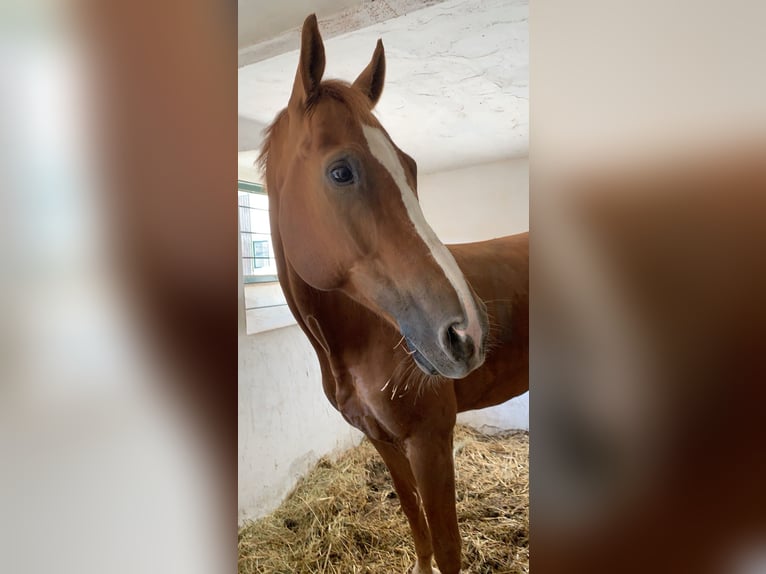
[(408, 332)]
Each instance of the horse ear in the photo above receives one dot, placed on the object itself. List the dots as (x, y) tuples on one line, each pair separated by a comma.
[(370, 81), (310, 64)]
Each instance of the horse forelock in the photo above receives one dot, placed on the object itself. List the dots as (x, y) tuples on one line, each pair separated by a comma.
[(356, 102), (353, 99)]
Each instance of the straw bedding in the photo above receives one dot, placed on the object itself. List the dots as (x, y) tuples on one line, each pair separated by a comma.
[(344, 516)]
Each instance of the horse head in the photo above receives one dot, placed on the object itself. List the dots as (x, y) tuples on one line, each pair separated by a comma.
[(344, 199)]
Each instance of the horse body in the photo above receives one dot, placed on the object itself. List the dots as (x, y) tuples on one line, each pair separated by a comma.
[(407, 332), (498, 270)]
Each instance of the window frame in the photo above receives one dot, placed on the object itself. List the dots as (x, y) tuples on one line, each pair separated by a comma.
[(255, 188)]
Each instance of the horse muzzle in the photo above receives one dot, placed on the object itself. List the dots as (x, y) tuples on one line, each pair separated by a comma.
[(452, 353)]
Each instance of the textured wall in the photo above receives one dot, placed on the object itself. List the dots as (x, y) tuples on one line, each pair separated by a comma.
[(285, 422)]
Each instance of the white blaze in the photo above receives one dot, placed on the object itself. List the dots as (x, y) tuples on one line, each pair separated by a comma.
[(383, 150)]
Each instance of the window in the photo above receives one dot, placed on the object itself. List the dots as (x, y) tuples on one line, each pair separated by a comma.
[(261, 256), (265, 305), (258, 263)]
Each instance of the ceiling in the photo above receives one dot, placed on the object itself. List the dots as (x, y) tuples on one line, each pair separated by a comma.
[(260, 20), (457, 74)]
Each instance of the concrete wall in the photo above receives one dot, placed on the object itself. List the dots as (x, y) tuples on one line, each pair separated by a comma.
[(471, 204), (285, 422)]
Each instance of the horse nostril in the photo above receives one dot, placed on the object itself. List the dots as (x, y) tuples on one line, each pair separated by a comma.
[(459, 345)]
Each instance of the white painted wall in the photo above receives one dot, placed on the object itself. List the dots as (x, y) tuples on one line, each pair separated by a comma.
[(471, 204), (285, 422), (477, 202)]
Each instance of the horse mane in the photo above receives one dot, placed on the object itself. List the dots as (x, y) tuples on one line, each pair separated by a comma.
[(263, 156), (356, 102)]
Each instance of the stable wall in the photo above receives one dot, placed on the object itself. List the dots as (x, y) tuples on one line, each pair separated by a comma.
[(477, 202), (284, 419)]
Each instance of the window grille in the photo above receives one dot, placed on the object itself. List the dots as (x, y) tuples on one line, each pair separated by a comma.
[(258, 263), (265, 304)]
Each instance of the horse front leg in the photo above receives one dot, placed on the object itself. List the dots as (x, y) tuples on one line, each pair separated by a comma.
[(406, 489), (431, 460)]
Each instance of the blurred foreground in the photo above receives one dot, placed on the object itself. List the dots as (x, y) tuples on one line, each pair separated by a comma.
[(117, 301), (648, 367)]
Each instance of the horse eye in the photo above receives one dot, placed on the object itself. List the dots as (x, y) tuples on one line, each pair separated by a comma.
[(341, 174)]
